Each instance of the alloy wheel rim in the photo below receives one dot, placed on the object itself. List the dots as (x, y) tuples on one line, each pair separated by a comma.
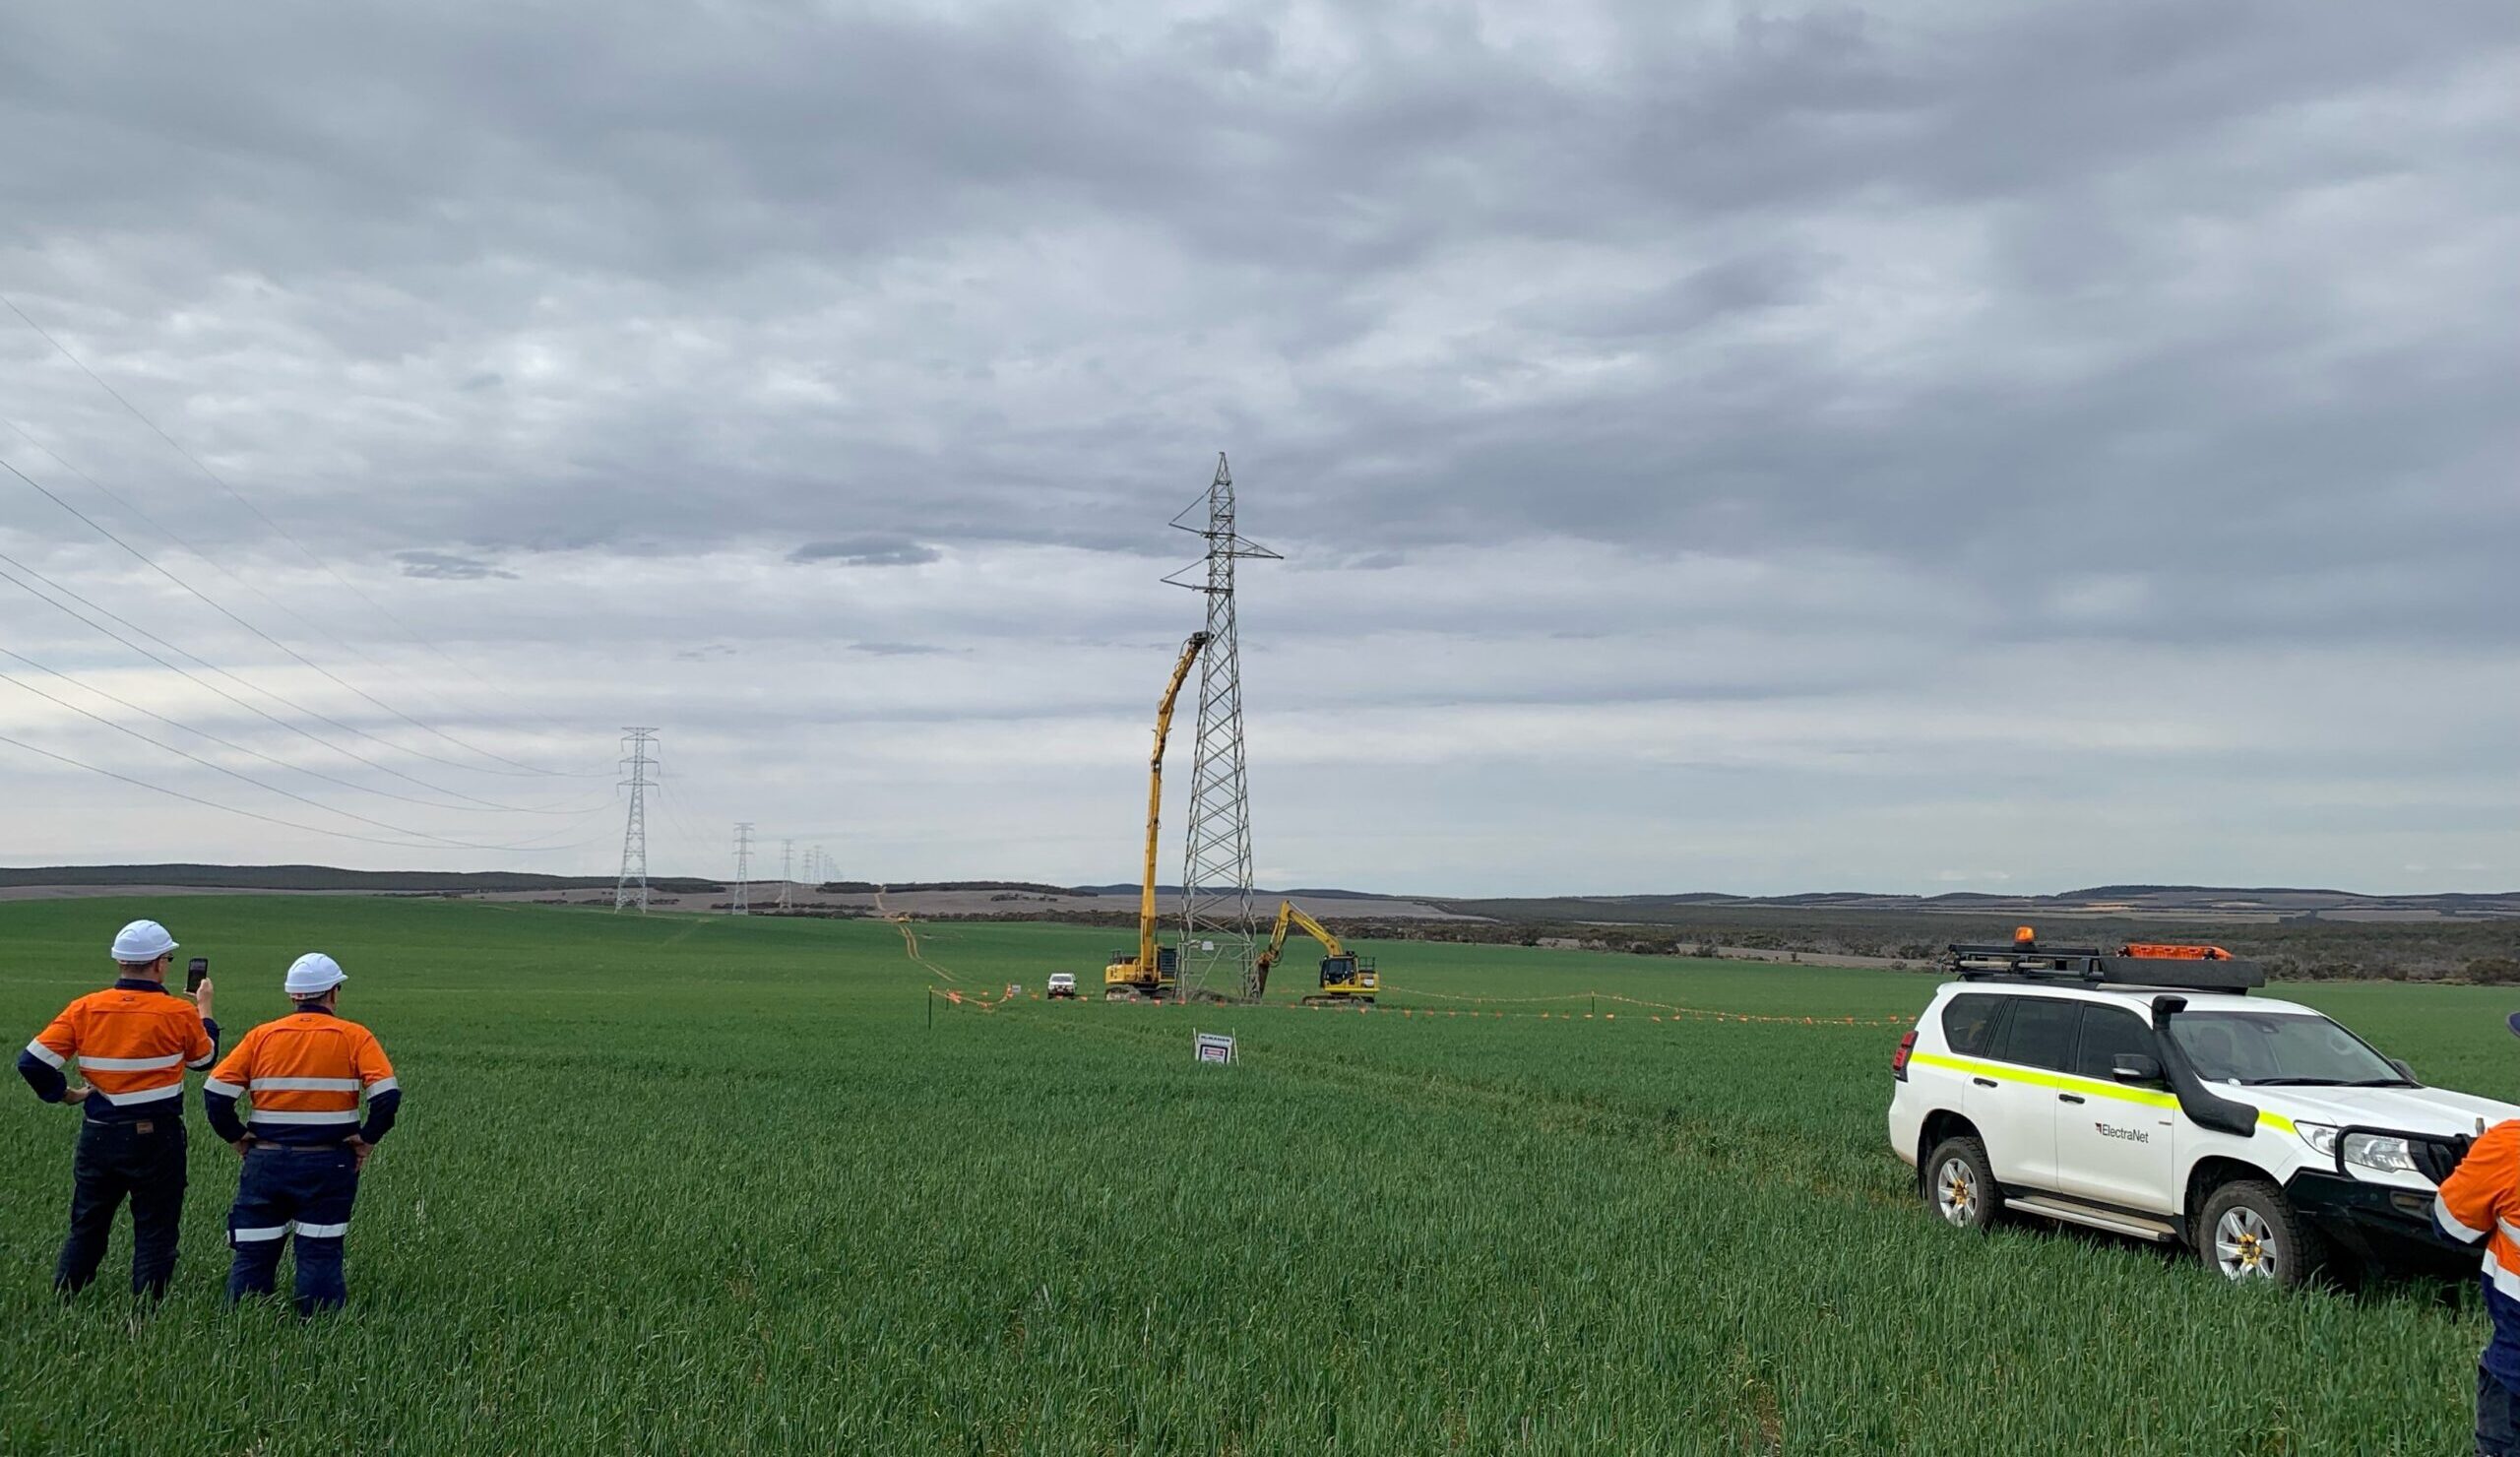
[(2245, 1244), (1955, 1191)]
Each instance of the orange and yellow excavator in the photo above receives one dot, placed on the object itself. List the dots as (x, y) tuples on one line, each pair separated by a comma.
[(1151, 972), (1344, 977)]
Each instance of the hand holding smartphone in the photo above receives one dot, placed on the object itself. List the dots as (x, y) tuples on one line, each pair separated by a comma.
[(196, 972)]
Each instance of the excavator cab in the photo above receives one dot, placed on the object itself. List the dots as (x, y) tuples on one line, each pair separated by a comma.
[(1347, 976), (1125, 980)]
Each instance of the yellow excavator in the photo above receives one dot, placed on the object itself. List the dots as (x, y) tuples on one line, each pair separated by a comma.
[(1151, 972), (1344, 977)]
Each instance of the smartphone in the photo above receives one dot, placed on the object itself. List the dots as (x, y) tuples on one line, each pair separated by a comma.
[(195, 971)]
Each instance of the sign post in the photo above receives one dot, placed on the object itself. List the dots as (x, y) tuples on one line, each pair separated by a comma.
[(1212, 1047)]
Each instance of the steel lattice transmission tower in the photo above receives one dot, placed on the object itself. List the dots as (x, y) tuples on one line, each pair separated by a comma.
[(787, 872), (743, 869), (634, 836), (1217, 929)]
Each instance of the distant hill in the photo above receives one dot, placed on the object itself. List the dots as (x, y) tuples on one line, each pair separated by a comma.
[(2140, 903), (323, 877)]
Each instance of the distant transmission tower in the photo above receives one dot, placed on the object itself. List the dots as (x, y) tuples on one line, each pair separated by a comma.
[(744, 867), (634, 838), (1218, 929), (787, 871)]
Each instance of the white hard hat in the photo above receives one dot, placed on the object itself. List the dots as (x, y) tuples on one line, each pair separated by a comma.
[(314, 974), (142, 942)]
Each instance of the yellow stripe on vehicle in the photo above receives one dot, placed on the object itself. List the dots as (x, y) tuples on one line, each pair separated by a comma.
[(2041, 1078), (2276, 1121)]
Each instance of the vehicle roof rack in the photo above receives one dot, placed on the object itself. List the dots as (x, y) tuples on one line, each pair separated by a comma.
[(2028, 961)]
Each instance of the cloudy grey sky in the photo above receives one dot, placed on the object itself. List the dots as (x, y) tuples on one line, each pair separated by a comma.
[(1713, 446)]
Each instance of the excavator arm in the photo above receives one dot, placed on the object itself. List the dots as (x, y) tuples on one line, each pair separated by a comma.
[(1290, 916), (1147, 964)]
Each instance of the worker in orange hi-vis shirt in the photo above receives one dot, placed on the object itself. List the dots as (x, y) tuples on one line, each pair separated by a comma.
[(2481, 1202), (302, 1141), (132, 1043)]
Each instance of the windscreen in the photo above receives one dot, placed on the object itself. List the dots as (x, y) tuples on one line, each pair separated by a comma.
[(2269, 1048)]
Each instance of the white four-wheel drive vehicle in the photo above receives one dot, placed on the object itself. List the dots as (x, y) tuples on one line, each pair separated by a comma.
[(1062, 984), (2147, 1092)]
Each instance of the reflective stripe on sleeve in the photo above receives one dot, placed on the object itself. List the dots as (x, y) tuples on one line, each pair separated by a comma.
[(383, 1085), (323, 1231), (2451, 1222), (223, 1090), (2499, 1278), (44, 1055), (345, 1117), (129, 1064), (258, 1235), (304, 1085), (202, 1065), (145, 1095)]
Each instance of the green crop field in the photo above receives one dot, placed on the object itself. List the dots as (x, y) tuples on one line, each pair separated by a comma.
[(690, 1184)]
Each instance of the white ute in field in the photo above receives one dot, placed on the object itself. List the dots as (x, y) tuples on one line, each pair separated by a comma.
[(2145, 1092)]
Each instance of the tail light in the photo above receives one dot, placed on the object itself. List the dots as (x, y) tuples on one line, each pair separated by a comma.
[(1898, 1059)]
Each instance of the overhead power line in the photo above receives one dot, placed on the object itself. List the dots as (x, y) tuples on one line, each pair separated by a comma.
[(237, 748), (133, 508), (238, 775), (197, 681), (270, 819), (223, 611), (277, 528)]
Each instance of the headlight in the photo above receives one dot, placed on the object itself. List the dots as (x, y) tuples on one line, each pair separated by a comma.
[(2380, 1153), (2319, 1136)]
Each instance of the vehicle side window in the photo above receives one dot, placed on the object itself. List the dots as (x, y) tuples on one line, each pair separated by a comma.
[(2040, 1032), (1966, 1021), (2108, 1032)]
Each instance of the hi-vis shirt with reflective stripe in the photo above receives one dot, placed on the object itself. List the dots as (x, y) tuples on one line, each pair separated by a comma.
[(132, 1043), (2481, 1200), (303, 1076)]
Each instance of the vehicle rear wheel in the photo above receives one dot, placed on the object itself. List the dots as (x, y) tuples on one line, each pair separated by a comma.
[(1960, 1185), (2250, 1232)]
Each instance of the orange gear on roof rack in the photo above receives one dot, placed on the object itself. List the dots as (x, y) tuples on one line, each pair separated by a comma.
[(2169, 951)]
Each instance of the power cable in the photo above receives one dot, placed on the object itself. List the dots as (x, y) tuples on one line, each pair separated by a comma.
[(301, 619), (238, 775), (197, 681), (218, 607), (19, 743), (237, 748), (281, 531)]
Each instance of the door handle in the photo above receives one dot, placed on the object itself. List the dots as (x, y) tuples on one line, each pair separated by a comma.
[(2069, 1098), (1983, 1082)]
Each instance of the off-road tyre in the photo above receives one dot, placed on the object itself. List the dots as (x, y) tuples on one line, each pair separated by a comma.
[(2248, 1231), (1959, 1185)]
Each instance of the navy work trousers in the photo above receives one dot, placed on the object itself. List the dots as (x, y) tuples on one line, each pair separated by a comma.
[(2497, 1433), (300, 1190), (142, 1158)]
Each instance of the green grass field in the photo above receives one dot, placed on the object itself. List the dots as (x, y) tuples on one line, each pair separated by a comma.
[(704, 1184)]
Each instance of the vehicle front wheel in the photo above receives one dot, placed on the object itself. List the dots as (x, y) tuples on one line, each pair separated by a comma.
[(2250, 1232), (1960, 1185)]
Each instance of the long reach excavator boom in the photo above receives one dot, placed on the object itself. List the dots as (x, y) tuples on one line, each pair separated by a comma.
[(1149, 971)]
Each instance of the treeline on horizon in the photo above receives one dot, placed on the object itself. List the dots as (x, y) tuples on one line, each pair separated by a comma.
[(328, 877), (2485, 951)]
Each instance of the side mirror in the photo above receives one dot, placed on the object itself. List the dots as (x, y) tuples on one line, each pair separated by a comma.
[(2136, 1067), (2404, 1071)]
